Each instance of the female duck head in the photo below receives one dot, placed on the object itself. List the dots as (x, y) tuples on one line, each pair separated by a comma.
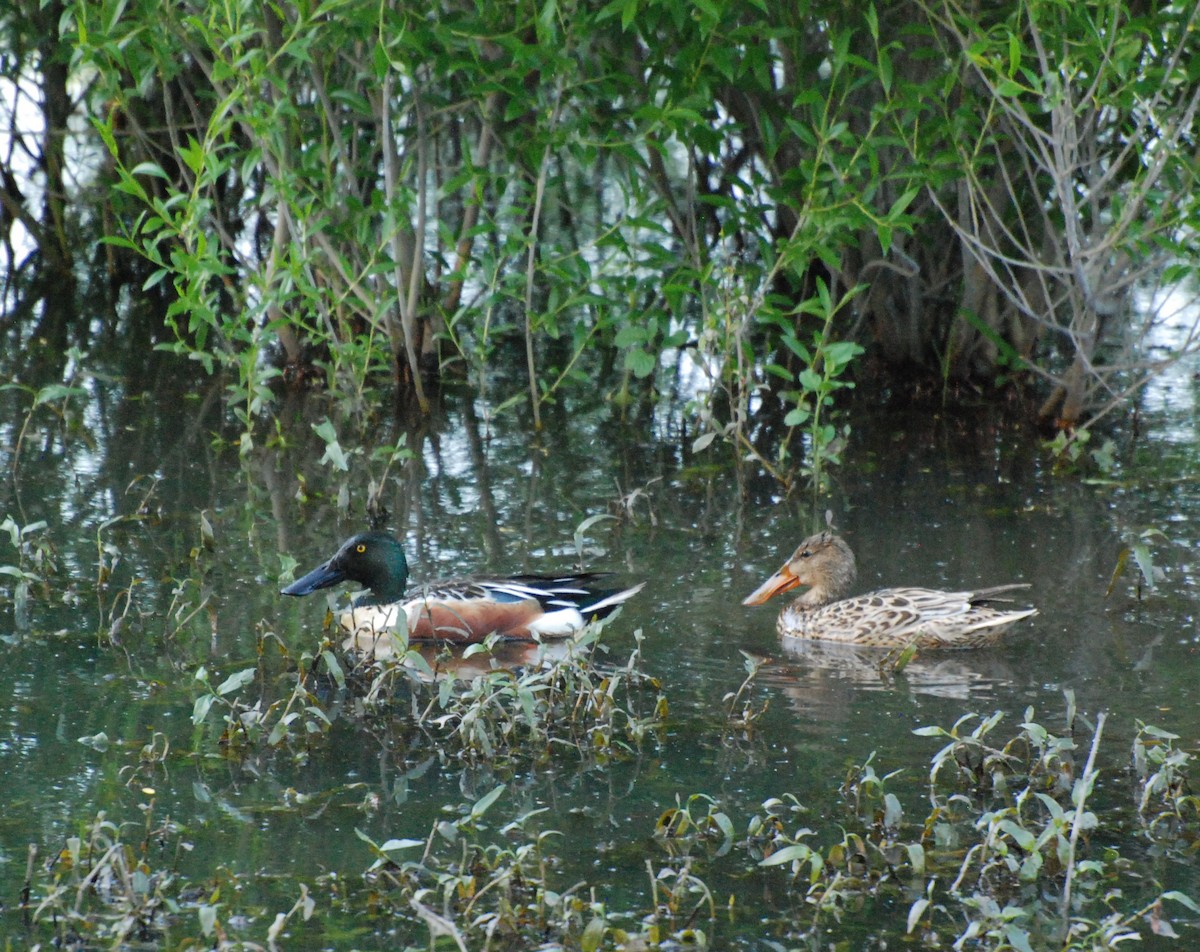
[(373, 559), (823, 562)]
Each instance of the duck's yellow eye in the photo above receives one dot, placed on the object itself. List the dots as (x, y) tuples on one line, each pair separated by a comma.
[(360, 548)]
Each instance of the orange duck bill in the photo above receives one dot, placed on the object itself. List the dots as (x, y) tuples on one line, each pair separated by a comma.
[(782, 581)]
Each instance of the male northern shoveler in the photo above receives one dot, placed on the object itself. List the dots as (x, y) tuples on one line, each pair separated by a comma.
[(891, 617), (461, 611)]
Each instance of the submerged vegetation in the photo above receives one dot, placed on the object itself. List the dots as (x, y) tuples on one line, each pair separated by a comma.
[(1013, 853)]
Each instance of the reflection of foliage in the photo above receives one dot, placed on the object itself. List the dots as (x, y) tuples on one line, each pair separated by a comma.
[(106, 886), (35, 560), (1149, 573), (56, 397)]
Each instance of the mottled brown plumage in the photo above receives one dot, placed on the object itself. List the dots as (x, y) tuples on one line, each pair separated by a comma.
[(889, 618)]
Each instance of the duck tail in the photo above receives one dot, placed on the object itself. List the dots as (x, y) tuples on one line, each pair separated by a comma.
[(609, 602), (989, 594)]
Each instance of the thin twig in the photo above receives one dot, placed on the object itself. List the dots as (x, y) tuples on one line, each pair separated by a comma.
[(1084, 787), (530, 261)]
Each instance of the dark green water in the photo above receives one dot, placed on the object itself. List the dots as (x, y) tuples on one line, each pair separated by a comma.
[(940, 502)]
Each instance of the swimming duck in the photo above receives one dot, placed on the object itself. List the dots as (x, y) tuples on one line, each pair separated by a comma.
[(891, 617), (461, 611)]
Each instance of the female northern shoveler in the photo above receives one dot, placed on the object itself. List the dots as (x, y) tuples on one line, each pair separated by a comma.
[(462, 611), (891, 617)]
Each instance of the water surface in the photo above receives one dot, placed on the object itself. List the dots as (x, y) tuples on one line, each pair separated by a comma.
[(139, 597)]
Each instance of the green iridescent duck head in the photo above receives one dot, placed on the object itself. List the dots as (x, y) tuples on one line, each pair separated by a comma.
[(374, 560)]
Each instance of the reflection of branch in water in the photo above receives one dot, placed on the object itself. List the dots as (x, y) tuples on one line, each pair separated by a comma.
[(533, 504), (483, 480), (626, 502), (1145, 661)]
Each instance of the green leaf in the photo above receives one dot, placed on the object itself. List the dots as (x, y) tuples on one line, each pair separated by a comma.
[(404, 844), (280, 730), (628, 14), (797, 852), (1023, 838), (1017, 937), (593, 934), (236, 681), (893, 811), (907, 653), (192, 155), (1181, 898), (95, 741), (149, 168), (810, 380), (481, 806), (886, 70), (57, 391), (547, 20), (201, 707), (207, 914), (155, 278), (915, 911), (335, 455), (1145, 563), (640, 363), (334, 667), (901, 203), (582, 528)]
